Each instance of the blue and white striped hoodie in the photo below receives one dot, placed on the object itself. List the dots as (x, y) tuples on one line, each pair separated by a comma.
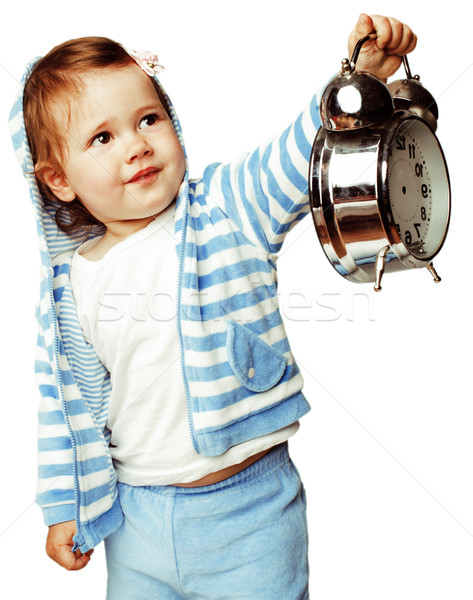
[(240, 376)]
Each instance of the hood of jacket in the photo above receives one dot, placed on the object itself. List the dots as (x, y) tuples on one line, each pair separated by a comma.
[(53, 242)]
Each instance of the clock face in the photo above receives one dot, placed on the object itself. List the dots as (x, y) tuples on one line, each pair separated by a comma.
[(419, 193)]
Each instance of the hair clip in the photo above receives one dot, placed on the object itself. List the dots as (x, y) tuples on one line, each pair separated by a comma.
[(147, 61)]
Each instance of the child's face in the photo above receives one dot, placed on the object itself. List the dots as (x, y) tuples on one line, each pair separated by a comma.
[(123, 158)]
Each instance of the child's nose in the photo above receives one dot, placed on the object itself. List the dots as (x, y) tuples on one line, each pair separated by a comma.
[(137, 148)]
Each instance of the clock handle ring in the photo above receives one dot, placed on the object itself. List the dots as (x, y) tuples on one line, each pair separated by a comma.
[(408, 70), (358, 45)]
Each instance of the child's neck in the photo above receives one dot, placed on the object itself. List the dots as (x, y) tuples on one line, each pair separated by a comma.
[(114, 234)]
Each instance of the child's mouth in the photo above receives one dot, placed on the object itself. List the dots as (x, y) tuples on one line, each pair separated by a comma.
[(145, 176)]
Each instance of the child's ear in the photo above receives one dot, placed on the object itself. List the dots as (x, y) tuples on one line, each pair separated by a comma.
[(56, 182)]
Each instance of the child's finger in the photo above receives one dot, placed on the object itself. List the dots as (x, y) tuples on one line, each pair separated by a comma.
[(364, 26), (69, 560), (407, 43), (412, 45), (384, 30)]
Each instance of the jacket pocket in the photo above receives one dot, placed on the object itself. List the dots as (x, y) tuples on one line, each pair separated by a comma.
[(256, 364)]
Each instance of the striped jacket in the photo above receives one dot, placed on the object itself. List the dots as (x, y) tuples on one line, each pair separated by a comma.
[(240, 376)]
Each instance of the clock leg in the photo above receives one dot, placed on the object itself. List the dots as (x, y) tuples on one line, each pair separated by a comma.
[(434, 273), (379, 267)]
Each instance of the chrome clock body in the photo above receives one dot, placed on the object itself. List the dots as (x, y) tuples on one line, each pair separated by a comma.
[(378, 181)]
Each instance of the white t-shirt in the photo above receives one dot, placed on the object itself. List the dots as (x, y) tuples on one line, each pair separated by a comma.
[(126, 305)]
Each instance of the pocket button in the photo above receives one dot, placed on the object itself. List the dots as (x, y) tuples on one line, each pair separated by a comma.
[(251, 372)]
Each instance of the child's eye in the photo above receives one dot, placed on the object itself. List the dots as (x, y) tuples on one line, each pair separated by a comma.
[(148, 121), (101, 139)]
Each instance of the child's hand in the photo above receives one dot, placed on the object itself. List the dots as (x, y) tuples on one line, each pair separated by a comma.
[(381, 56), (59, 544)]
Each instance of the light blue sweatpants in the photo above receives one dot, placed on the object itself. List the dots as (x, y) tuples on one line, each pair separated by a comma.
[(242, 538)]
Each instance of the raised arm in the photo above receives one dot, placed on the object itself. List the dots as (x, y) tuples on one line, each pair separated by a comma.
[(265, 192)]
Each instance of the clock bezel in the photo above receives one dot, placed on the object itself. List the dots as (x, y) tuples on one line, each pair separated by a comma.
[(397, 244)]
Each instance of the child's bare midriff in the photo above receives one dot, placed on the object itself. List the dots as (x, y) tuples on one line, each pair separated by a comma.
[(225, 473)]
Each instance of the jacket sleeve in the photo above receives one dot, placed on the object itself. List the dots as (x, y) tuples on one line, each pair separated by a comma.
[(265, 192), (55, 491)]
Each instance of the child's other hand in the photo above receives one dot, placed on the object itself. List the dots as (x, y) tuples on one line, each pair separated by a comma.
[(381, 56), (59, 544)]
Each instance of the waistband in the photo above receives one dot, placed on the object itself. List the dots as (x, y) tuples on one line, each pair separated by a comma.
[(270, 462)]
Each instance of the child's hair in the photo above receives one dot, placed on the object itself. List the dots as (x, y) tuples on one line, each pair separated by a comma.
[(55, 76)]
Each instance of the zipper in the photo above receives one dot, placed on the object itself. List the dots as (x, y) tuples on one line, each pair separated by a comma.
[(64, 406), (179, 314)]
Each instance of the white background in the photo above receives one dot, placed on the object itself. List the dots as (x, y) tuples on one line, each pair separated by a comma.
[(386, 452)]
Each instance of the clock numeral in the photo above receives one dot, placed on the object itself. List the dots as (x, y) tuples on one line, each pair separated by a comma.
[(419, 170), (417, 226), (408, 237), (424, 190), (412, 151), (401, 142), (423, 213)]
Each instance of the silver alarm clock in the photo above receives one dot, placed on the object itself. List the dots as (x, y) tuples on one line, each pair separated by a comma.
[(378, 181)]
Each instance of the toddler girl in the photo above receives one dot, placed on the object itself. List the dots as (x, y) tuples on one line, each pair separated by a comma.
[(164, 424)]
